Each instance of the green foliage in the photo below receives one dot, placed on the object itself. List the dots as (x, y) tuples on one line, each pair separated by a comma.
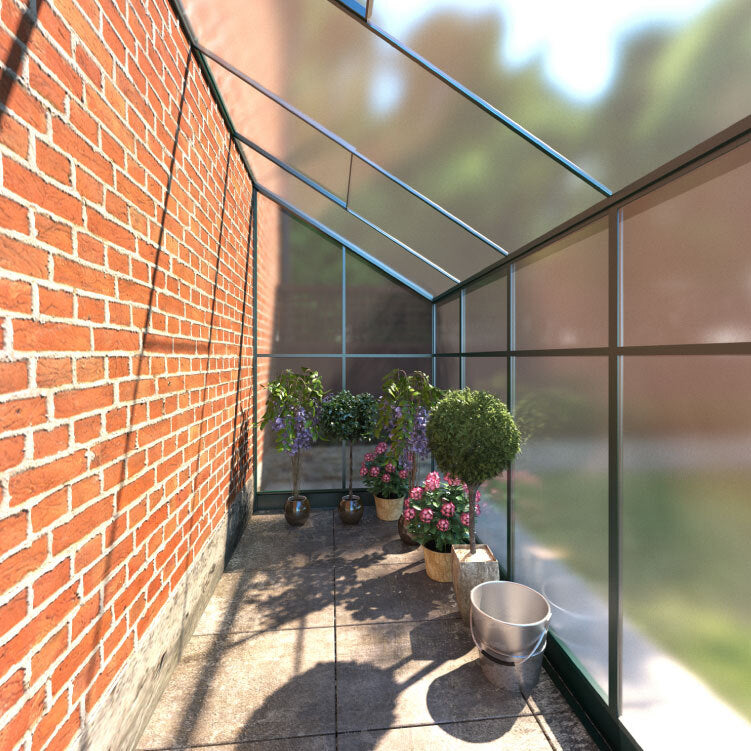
[(472, 435), (554, 412), (348, 417)]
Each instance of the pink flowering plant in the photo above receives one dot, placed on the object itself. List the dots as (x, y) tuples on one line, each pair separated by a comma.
[(381, 475), (437, 512)]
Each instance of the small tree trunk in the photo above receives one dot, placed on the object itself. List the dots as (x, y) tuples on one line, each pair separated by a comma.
[(413, 470), (295, 458), (472, 491), (350, 469)]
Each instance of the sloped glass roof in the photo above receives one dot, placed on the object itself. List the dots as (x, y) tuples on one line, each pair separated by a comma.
[(432, 180)]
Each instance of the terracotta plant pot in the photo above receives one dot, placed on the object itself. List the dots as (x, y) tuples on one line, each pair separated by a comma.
[(469, 571), (437, 565), (297, 510), (350, 509), (388, 509), (406, 537)]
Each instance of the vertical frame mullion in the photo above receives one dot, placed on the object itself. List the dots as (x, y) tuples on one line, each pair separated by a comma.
[(511, 399), (344, 346), (615, 465), (254, 376), (462, 337)]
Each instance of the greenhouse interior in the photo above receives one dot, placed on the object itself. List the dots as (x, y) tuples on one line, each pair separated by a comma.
[(514, 235)]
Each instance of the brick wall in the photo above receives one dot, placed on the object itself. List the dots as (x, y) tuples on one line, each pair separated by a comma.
[(125, 349)]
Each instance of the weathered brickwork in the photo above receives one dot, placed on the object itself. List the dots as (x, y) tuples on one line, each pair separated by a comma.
[(125, 352)]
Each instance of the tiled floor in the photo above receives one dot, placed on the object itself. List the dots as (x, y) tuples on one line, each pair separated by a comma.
[(332, 637)]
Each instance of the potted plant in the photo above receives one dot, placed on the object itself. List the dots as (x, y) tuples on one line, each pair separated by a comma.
[(292, 407), (473, 437), (403, 414), (348, 417), (437, 517), (386, 481)]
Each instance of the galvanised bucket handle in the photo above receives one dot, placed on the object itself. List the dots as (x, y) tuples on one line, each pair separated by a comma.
[(512, 659)]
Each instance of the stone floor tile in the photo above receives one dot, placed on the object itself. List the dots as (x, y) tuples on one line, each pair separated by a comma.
[(414, 674), (320, 522), (384, 593), (565, 731), (546, 698), (308, 743), (241, 687), (512, 734), (270, 599)]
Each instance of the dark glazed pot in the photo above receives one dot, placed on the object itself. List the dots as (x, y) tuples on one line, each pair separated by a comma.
[(350, 509), (297, 510), (406, 537)]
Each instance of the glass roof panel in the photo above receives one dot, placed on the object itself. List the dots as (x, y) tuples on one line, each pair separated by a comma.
[(619, 88), (331, 67), (358, 234)]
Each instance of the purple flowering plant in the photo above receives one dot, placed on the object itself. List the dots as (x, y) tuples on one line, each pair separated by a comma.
[(403, 411), (437, 512), (381, 475), (292, 410)]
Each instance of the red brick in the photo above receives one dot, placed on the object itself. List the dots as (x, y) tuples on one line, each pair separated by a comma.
[(109, 231), (66, 732), (49, 510), (84, 490), (59, 65), (55, 302), (47, 477), (49, 722), (49, 583), (15, 136), (14, 729), (82, 152), (67, 271), (109, 340), (88, 65), (13, 529), (19, 256), (70, 403), (54, 372), (11, 690), (13, 376), (53, 163), (49, 442), (50, 337), (111, 449), (81, 525), (17, 99), (20, 413), (16, 296), (28, 185), (14, 215), (90, 309), (90, 369), (108, 673), (52, 232), (14, 568), (87, 429)]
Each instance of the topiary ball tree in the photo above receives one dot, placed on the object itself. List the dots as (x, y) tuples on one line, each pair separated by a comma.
[(472, 436)]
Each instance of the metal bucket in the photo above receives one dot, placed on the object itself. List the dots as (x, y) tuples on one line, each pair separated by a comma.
[(509, 625)]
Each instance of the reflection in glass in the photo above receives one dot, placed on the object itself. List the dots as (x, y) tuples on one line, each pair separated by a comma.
[(561, 499), (383, 315), (322, 464), (485, 313), (447, 324), (367, 373), (686, 531), (447, 372), (562, 292), (686, 260)]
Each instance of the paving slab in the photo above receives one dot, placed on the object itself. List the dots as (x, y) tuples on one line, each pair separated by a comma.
[(386, 593), (307, 743), (565, 732), (245, 687), (512, 734), (414, 674), (270, 599)]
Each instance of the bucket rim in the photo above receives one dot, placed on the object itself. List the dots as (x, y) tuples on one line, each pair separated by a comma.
[(539, 622)]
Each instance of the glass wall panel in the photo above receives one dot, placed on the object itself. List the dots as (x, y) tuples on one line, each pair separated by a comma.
[(489, 374), (383, 315), (561, 499), (305, 278), (367, 373), (322, 464), (485, 313), (562, 292), (447, 324), (625, 89), (686, 532), (686, 260), (392, 110), (448, 372)]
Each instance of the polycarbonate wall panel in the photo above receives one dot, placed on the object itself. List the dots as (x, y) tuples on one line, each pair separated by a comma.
[(306, 281), (485, 313), (687, 259), (561, 499), (625, 86), (686, 532), (367, 373), (448, 324), (396, 113), (322, 464), (335, 218), (489, 374), (383, 315), (562, 292), (448, 372)]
